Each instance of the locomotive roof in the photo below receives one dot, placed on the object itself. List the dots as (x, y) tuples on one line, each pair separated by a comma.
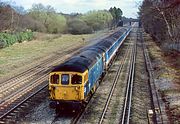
[(80, 63), (75, 64), (98, 46), (117, 34), (106, 43), (89, 55), (97, 49)]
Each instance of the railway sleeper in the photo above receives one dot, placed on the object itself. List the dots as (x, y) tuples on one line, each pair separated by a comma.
[(13, 114), (9, 121), (9, 117), (15, 111), (2, 122), (19, 109), (23, 106)]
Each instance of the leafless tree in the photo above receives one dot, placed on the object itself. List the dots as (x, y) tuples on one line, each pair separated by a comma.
[(161, 18)]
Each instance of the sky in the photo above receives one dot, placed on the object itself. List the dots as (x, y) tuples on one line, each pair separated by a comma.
[(129, 7)]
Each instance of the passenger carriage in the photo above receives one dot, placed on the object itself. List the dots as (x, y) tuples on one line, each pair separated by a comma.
[(73, 81)]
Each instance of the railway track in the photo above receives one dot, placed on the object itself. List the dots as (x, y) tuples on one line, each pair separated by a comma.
[(158, 112), (125, 117), (99, 109), (19, 89), (7, 87), (128, 95), (126, 112), (19, 104), (16, 91), (119, 70), (77, 118)]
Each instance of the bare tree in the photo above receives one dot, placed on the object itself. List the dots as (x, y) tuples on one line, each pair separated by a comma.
[(162, 20)]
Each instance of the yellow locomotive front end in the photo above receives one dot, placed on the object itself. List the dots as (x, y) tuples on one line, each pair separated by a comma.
[(67, 86), (66, 83)]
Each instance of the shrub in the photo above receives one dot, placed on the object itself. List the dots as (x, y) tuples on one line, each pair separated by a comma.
[(7, 39), (57, 24), (78, 26), (97, 19)]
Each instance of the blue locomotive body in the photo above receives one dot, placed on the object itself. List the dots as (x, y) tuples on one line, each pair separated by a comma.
[(86, 68), (94, 74)]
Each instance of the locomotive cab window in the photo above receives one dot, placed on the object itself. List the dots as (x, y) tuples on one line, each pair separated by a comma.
[(76, 79), (55, 79), (64, 79)]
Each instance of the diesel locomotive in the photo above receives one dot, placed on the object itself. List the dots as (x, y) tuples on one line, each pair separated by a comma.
[(72, 82)]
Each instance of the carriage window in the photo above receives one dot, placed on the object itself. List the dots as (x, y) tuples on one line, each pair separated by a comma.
[(65, 79), (76, 79), (55, 79)]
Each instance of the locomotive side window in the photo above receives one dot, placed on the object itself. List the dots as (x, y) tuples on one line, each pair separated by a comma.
[(65, 79), (55, 79), (76, 79)]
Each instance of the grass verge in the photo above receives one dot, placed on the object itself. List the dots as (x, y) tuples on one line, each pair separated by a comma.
[(21, 54)]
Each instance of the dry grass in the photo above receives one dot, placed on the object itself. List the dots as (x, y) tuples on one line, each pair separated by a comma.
[(167, 78), (157, 55), (18, 55)]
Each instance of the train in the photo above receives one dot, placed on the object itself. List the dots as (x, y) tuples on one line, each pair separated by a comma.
[(75, 80)]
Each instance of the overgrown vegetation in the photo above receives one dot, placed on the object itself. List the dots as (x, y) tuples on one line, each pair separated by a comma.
[(116, 14), (7, 39), (98, 20), (41, 18), (78, 26), (46, 15), (23, 55), (45, 19), (161, 19)]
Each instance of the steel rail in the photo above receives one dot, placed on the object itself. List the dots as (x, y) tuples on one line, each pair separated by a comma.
[(21, 81), (113, 86), (77, 118), (29, 71), (129, 89), (13, 100), (24, 89), (20, 103), (159, 115)]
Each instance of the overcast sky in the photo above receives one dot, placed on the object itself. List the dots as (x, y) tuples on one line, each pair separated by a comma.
[(129, 7)]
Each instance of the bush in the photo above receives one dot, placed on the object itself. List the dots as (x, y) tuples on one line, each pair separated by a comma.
[(27, 22), (7, 39), (48, 18), (57, 24), (97, 19), (78, 26)]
